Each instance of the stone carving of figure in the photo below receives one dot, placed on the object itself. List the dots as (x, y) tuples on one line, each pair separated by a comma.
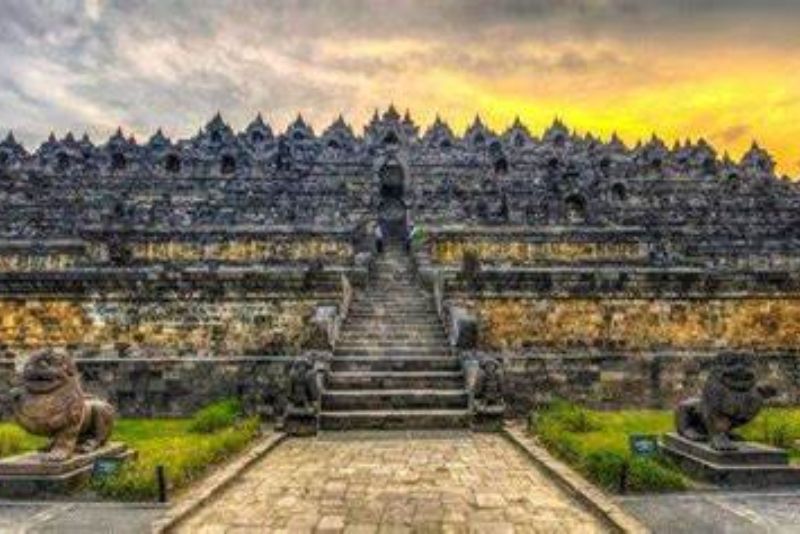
[(303, 389), (489, 387), (730, 399), (52, 403)]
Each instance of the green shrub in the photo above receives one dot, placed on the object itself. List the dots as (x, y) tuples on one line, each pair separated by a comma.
[(222, 414), (12, 440), (185, 455), (648, 474), (775, 430), (605, 468)]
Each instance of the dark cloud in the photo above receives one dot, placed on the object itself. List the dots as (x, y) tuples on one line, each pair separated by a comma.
[(71, 64)]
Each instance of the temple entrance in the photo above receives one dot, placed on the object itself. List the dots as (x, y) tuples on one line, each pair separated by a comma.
[(392, 207)]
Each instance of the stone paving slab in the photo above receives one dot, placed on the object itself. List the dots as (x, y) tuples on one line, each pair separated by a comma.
[(718, 512), (434, 482), (76, 518)]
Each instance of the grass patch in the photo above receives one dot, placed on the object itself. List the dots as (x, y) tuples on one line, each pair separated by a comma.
[(779, 427), (596, 442), (186, 455), (14, 440), (217, 416), (187, 448)]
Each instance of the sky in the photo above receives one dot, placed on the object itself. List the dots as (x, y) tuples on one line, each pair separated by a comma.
[(725, 70)]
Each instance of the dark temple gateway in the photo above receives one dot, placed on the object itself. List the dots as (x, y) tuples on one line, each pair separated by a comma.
[(182, 271)]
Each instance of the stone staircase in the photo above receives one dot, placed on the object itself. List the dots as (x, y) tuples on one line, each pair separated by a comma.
[(392, 368)]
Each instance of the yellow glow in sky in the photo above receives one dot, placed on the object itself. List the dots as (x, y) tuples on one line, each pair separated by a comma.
[(730, 100)]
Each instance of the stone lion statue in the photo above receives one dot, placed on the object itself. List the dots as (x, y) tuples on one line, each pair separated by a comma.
[(51, 403), (730, 399)]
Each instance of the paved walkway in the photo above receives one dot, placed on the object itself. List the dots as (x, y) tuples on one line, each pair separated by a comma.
[(718, 512), (388, 483)]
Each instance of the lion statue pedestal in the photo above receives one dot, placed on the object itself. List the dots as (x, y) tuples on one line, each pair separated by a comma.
[(51, 403), (705, 445)]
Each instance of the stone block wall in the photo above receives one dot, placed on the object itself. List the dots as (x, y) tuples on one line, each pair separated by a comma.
[(637, 324), (174, 387), (609, 380), (168, 387), (175, 327)]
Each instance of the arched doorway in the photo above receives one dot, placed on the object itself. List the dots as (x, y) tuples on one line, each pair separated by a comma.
[(392, 207)]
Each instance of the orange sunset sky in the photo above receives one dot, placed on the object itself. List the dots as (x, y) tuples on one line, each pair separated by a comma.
[(725, 70)]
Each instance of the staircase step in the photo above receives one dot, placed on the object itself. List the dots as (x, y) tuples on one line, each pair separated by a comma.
[(397, 364), (394, 308), (393, 316), (386, 295), (389, 352), (391, 399), (383, 343), (356, 325), (415, 318), (378, 341), (395, 420), (393, 331), (390, 380)]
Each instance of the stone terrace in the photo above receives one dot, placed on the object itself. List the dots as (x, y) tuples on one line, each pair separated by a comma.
[(606, 273)]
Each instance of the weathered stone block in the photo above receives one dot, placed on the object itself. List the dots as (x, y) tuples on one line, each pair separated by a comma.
[(463, 329)]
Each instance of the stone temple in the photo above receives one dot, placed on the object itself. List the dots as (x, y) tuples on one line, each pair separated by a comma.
[(179, 271)]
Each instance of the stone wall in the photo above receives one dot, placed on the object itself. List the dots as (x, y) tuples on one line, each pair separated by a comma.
[(617, 380), (177, 387), (760, 324), (155, 328)]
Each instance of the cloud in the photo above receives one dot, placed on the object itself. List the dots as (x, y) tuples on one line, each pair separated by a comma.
[(680, 67), (734, 133)]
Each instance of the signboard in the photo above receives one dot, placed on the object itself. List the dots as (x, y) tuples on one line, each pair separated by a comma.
[(643, 444), (106, 467)]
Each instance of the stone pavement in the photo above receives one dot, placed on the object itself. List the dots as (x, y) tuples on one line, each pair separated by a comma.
[(366, 482), (718, 512), (76, 518)]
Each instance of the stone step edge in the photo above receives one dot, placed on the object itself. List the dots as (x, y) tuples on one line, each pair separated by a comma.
[(345, 358), (394, 413), (396, 392), (397, 374), (725, 468), (399, 348)]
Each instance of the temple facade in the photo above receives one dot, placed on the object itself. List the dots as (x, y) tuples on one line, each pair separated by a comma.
[(605, 273)]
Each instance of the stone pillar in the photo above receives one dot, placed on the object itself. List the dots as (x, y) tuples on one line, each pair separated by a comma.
[(463, 329)]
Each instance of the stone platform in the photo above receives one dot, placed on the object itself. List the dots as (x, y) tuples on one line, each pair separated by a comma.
[(751, 466), (28, 476)]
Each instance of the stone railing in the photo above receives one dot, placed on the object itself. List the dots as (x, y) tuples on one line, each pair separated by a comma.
[(520, 247), (139, 248), (328, 319)]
